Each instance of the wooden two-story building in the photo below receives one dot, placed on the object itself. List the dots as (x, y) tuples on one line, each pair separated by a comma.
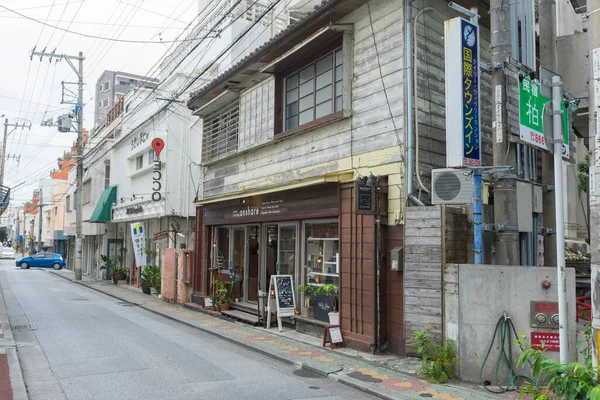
[(288, 131)]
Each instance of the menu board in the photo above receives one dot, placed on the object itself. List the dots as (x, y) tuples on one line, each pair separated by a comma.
[(285, 291)]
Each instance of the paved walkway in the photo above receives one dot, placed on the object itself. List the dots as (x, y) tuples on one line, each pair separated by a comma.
[(12, 385), (360, 374)]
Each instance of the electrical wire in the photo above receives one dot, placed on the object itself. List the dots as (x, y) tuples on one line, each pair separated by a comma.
[(92, 36)]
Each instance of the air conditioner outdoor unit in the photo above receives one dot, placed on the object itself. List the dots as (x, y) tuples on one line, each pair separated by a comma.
[(451, 186)]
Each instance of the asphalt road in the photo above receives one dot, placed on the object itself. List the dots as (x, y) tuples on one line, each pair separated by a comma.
[(85, 345)]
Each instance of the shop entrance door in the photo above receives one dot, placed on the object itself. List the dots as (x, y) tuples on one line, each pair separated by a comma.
[(280, 251), (252, 264), (238, 263)]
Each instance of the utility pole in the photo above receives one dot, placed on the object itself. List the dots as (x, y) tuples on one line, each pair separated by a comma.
[(79, 180), (594, 172), (18, 230), (6, 134), (39, 247), (505, 197)]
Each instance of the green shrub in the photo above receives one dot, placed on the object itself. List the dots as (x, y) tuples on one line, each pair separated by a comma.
[(570, 381), (439, 362)]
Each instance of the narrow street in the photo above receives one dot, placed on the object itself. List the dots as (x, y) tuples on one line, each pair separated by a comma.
[(85, 345)]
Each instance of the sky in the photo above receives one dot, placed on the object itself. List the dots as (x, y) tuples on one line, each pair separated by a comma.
[(30, 90)]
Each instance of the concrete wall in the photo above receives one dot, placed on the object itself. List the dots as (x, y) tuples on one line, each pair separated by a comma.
[(478, 295)]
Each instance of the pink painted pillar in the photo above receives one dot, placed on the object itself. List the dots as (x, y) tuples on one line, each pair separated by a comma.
[(167, 284)]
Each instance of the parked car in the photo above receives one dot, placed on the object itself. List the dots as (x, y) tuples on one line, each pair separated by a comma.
[(7, 253), (42, 260)]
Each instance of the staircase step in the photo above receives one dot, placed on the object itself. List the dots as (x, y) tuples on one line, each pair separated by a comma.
[(245, 307), (242, 316)]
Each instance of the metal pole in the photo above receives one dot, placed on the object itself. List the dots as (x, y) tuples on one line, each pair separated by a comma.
[(505, 199), (560, 218), (378, 239), (78, 191), (547, 19), (594, 136), (39, 246), (478, 217), (3, 151)]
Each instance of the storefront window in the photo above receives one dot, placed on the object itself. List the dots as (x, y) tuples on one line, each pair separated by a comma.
[(322, 253)]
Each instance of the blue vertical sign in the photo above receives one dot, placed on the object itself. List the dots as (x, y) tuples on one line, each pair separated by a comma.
[(463, 106), (470, 83)]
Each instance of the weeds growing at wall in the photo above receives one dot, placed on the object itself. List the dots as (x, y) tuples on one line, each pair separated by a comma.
[(439, 362)]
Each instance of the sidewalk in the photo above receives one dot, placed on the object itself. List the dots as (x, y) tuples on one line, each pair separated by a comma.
[(12, 385), (368, 376)]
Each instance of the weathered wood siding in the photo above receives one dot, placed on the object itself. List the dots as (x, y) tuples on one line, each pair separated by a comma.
[(257, 115), (371, 140), (422, 273), (430, 88)]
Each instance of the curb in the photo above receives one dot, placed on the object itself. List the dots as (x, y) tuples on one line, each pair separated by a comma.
[(333, 376), (19, 391)]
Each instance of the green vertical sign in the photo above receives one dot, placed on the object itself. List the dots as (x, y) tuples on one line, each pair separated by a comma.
[(531, 117), (531, 113)]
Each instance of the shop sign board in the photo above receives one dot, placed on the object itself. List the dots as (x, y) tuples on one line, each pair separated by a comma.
[(320, 201), (139, 243), (463, 106), (364, 199), (531, 118), (281, 298)]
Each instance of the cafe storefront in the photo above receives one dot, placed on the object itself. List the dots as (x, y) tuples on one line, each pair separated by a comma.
[(294, 232)]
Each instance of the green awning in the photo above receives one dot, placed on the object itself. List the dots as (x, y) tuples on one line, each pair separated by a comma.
[(102, 212)]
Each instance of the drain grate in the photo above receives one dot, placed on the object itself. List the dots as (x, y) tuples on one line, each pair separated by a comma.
[(304, 373), (25, 327), (23, 345), (78, 299)]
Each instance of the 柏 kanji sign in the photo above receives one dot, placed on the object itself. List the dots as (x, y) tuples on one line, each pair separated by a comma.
[(463, 126), (531, 117)]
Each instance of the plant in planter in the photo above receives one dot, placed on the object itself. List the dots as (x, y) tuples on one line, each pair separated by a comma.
[(221, 296), (308, 291), (113, 267), (330, 291), (150, 274)]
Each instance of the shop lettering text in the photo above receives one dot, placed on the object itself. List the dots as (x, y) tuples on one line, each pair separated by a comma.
[(135, 210), (156, 177), (139, 139), (266, 208)]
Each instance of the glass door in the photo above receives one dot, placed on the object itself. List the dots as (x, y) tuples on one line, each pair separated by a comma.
[(286, 258), (253, 263), (269, 258), (238, 263)]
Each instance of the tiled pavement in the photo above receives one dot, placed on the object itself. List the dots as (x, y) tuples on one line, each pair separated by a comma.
[(362, 375)]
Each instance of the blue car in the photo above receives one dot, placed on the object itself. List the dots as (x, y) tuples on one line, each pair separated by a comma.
[(42, 260)]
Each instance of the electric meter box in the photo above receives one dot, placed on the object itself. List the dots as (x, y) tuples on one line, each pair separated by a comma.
[(397, 258)]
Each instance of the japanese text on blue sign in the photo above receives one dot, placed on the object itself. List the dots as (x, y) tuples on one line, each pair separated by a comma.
[(470, 77)]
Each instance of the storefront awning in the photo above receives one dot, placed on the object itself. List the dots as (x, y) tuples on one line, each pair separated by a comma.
[(102, 212)]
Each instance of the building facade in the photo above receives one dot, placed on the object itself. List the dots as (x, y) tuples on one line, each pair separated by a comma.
[(288, 133), (112, 86)]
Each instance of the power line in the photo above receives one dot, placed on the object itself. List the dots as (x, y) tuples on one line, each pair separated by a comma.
[(92, 36), (104, 23)]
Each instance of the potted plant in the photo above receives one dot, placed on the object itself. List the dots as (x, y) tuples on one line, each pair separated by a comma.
[(221, 296), (113, 268), (330, 291), (149, 275), (308, 291)]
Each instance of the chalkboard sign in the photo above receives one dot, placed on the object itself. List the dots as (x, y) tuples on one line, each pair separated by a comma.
[(285, 292), (284, 301), (323, 305)]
